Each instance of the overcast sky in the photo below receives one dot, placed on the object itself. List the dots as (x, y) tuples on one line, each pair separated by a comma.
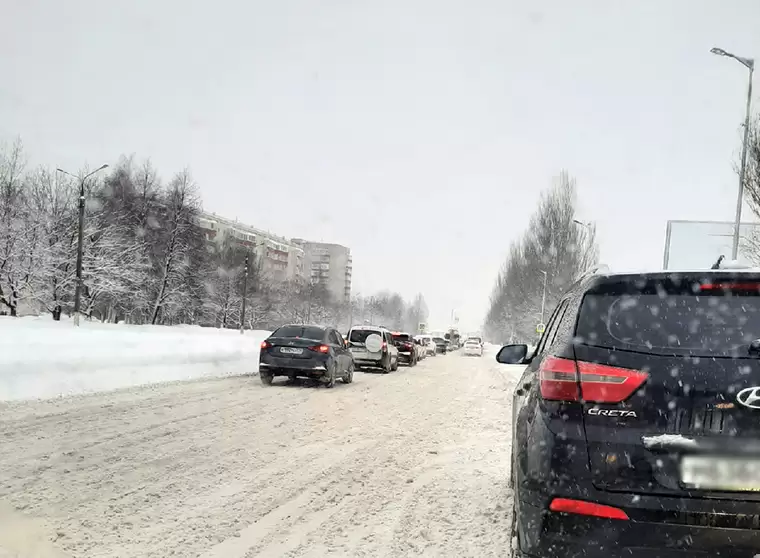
[(419, 133)]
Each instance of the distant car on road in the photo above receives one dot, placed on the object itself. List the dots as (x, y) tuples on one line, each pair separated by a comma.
[(372, 347), (408, 350), (421, 352), (441, 345), (308, 351), (428, 344), (473, 347)]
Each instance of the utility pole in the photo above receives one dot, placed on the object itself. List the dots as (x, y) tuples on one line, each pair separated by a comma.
[(80, 242), (311, 292), (749, 63), (245, 294), (543, 297)]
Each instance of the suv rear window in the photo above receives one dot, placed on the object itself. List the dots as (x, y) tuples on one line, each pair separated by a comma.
[(401, 337), (304, 332), (717, 325), (360, 335)]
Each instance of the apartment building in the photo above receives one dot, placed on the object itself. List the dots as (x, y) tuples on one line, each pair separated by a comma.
[(279, 258), (328, 264)]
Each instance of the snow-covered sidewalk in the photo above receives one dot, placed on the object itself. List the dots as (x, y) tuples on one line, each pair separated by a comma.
[(40, 358)]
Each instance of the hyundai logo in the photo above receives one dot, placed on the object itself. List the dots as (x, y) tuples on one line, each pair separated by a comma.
[(749, 397)]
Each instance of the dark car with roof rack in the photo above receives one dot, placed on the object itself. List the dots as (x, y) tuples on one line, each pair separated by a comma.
[(636, 422)]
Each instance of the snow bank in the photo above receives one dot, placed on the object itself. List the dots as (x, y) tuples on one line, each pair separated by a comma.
[(40, 358)]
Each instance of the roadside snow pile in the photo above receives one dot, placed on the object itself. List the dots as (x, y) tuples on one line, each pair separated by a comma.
[(40, 358)]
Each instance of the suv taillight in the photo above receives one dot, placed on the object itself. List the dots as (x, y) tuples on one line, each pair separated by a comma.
[(599, 383)]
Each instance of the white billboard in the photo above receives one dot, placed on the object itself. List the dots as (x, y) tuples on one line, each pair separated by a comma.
[(699, 244)]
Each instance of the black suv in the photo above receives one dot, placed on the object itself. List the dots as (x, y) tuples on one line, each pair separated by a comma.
[(636, 424), (304, 350)]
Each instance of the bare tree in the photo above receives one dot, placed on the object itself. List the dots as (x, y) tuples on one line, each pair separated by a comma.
[(181, 205), (20, 234), (52, 197), (554, 251)]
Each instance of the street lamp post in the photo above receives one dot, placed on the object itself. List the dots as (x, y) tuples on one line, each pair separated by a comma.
[(80, 240), (245, 294), (750, 65)]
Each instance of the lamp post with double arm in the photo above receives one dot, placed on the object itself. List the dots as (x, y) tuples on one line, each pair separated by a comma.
[(80, 239)]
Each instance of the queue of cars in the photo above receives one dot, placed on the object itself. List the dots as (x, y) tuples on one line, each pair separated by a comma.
[(324, 354)]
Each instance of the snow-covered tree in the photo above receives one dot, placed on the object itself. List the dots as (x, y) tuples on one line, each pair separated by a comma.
[(554, 252)]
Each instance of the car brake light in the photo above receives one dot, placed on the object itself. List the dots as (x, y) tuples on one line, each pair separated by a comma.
[(599, 383), (385, 345), (320, 348), (729, 286), (559, 379), (608, 384), (265, 344), (566, 505)]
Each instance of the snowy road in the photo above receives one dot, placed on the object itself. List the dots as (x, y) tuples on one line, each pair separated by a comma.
[(412, 463)]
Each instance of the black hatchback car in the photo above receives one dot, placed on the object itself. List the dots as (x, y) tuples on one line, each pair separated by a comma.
[(636, 424), (305, 350)]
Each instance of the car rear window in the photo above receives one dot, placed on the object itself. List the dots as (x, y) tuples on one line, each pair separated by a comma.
[(360, 335), (304, 332), (401, 337), (439, 339), (717, 325)]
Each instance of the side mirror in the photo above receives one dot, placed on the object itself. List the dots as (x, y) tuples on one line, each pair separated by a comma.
[(512, 354)]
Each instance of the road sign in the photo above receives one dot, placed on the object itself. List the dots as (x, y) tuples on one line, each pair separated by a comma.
[(540, 328), (422, 327)]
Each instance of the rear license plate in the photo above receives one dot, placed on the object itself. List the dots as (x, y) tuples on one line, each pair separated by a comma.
[(739, 474), (291, 350)]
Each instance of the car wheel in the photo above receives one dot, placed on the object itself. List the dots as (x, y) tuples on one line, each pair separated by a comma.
[(349, 376), (330, 377), (386, 365), (266, 378), (395, 365)]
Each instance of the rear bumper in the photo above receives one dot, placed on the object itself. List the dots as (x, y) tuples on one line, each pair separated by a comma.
[(368, 362), (405, 356), (313, 366), (679, 534)]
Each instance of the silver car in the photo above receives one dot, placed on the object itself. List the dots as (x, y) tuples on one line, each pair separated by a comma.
[(372, 347)]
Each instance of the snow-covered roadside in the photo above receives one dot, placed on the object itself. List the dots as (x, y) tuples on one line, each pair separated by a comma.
[(40, 358), (412, 463)]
